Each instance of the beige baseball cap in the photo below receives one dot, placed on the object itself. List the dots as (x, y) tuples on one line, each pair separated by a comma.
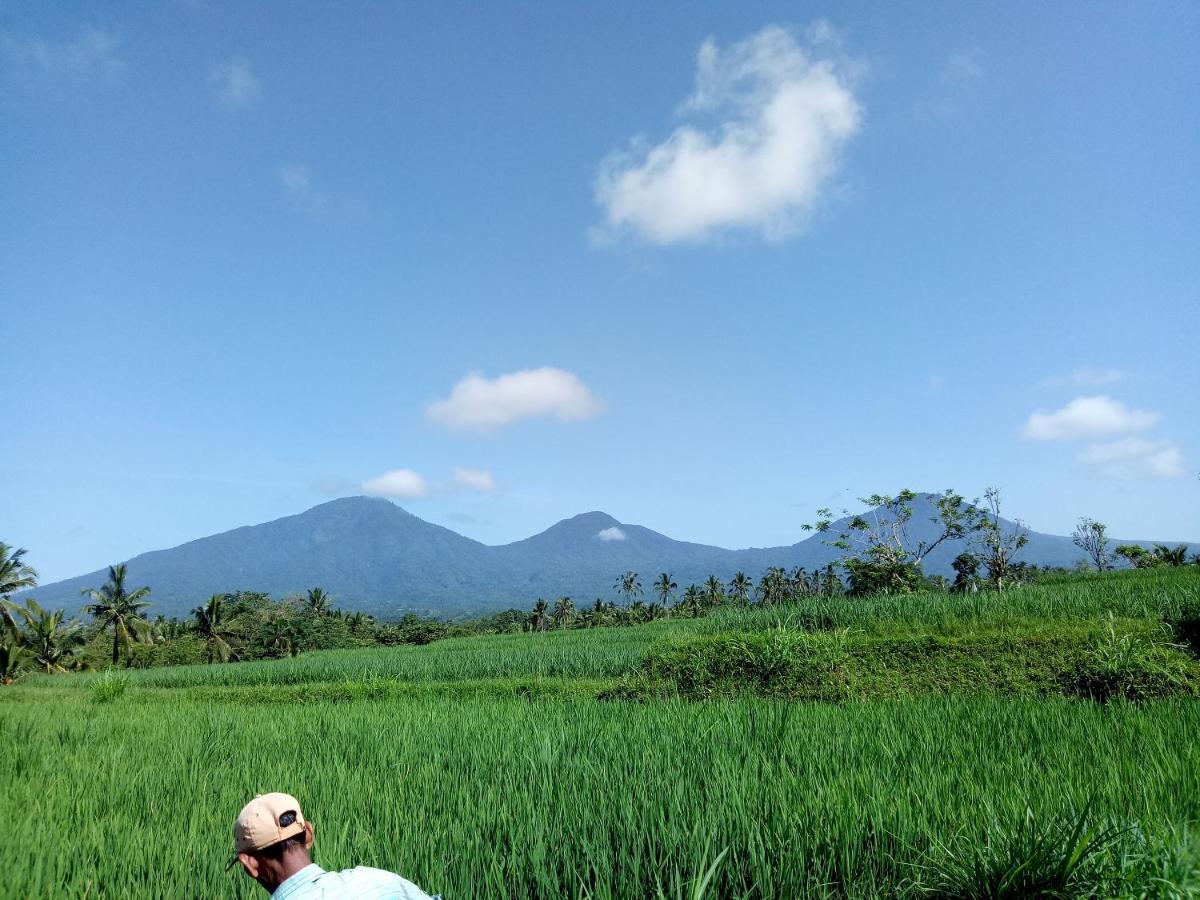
[(266, 820)]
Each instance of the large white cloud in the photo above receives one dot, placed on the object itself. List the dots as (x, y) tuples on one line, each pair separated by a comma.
[(612, 533), (401, 484), (1132, 458), (483, 403), (1087, 417), (785, 113), (235, 84)]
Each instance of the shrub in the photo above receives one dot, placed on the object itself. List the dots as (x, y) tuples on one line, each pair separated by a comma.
[(109, 686)]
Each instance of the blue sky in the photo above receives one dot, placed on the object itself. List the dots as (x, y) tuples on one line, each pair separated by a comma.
[(706, 267)]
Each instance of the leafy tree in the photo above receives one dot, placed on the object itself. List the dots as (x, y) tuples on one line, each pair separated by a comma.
[(214, 626), (14, 574), (1138, 556), (538, 617), (628, 584), (119, 609), (966, 573), (867, 576), (665, 587), (49, 642), (998, 547), (317, 602), (564, 611), (358, 621), (1091, 537), (879, 539), (740, 587), (640, 612)]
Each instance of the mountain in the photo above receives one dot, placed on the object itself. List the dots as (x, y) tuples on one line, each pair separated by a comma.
[(374, 556)]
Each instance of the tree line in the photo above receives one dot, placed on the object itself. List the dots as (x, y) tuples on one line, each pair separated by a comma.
[(877, 554)]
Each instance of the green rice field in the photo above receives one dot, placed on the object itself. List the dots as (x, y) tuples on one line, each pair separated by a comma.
[(643, 762)]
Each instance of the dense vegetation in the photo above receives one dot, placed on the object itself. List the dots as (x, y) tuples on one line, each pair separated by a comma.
[(486, 764), (857, 731)]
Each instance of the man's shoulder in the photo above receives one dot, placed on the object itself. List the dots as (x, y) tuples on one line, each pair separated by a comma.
[(367, 883)]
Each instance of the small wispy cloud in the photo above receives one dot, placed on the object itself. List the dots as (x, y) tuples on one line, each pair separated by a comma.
[(786, 109), (297, 180), (235, 84), (333, 486), (92, 54), (399, 484), (1085, 377), (1135, 459), (479, 480), (963, 68), (1087, 417), (612, 533), (934, 385), (485, 404)]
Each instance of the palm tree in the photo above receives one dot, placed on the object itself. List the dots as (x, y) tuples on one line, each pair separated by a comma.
[(118, 609), (14, 659), (1176, 556), (14, 574), (211, 624), (48, 641), (740, 587), (772, 588), (714, 591), (564, 609), (538, 617), (628, 584), (281, 635), (665, 587), (693, 601), (358, 620), (317, 602), (599, 612)]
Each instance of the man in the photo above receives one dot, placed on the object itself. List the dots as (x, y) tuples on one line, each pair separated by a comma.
[(273, 842)]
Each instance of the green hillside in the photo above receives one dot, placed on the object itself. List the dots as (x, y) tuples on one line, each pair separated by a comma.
[(848, 747)]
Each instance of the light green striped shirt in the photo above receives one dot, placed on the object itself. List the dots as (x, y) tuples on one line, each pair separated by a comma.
[(360, 883)]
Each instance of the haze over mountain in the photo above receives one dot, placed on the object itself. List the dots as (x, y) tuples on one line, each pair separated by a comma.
[(374, 556)]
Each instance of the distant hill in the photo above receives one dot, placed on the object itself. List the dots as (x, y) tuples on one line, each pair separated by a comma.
[(374, 556)]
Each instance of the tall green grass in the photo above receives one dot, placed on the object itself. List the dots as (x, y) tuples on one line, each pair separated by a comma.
[(446, 762), (483, 799)]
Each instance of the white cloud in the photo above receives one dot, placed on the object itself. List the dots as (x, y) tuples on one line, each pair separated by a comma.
[(484, 404), (403, 484), (475, 479), (93, 54), (1135, 458), (612, 533), (235, 84), (785, 117), (1087, 417), (962, 68), (1085, 377), (298, 182)]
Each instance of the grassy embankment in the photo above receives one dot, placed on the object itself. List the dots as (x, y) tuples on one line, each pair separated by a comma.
[(486, 766)]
